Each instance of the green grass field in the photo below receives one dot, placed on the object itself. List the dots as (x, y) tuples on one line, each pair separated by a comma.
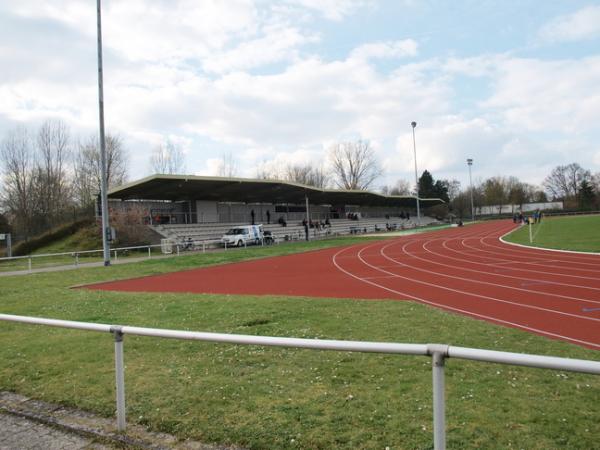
[(581, 233), (284, 398)]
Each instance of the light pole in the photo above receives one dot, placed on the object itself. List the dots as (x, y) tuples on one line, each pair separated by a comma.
[(414, 124), (103, 181), (470, 163)]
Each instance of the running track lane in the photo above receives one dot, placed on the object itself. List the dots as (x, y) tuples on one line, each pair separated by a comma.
[(467, 270)]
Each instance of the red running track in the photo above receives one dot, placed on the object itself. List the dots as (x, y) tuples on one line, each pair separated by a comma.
[(466, 270)]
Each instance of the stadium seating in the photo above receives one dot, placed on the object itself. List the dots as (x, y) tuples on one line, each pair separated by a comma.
[(203, 235)]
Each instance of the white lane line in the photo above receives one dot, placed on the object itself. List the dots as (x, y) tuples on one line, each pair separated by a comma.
[(526, 270), (473, 280), (485, 297), (563, 263), (498, 271), (568, 256), (463, 311)]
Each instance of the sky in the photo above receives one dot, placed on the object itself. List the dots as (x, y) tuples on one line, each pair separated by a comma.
[(514, 85)]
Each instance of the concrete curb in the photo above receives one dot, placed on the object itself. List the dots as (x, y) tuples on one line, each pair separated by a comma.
[(100, 429)]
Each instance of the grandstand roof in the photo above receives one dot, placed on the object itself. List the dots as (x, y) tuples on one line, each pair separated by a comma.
[(247, 190)]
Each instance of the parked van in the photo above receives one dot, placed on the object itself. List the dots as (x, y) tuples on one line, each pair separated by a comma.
[(243, 235)]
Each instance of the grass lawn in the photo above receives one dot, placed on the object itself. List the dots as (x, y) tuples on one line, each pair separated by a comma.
[(262, 398), (580, 233)]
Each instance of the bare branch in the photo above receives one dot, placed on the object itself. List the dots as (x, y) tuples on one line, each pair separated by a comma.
[(354, 165)]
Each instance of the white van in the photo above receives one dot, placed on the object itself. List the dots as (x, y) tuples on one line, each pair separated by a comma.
[(243, 235)]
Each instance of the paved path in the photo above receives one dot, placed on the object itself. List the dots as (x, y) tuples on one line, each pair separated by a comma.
[(18, 433), (27, 424)]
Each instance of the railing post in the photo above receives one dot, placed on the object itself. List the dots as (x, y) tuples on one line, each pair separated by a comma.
[(149, 252), (115, 255), (438, 354), (76, 259), (177, 245), (29, 263), (119, 377)]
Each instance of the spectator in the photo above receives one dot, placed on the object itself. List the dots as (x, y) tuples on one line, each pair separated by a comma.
[(252, 216), (281, 221), (268, 216)]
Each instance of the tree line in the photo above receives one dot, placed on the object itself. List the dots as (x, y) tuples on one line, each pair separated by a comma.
[(49, 177), (571, 184)]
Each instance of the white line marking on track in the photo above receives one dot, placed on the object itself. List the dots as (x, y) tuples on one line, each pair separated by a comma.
[(468, 313)]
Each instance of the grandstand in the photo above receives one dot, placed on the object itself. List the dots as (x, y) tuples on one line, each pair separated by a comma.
[(184, 208), (209, 234)]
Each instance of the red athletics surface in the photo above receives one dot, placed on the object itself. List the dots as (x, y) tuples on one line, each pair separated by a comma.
[(466, 270)]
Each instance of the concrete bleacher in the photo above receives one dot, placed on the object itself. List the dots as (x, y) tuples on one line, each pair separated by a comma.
[(204, 235)]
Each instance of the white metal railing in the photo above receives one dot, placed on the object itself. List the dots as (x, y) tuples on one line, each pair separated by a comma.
[(76, 254), (438, 353)]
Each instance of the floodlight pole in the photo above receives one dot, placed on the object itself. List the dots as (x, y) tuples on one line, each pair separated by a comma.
[(414, 124), (103, 180), (470, 163), (307, 217)]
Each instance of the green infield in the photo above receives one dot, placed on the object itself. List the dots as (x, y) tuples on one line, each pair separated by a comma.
[(581, 233), (259, 397)]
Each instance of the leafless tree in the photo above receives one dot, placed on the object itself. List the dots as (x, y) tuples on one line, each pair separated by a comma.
[(306, 174), (564, 181), (18, 193), (87, 168), (401, 187), (51, 177), (227, 166), (496, 192), (167, 158), (517, 192), (354, 165), (452, 188), (461, 204), (596, 182)]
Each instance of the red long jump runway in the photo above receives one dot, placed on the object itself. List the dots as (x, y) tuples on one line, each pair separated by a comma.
[(467, 270)]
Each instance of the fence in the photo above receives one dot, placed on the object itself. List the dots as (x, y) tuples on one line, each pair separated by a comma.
[(166, 248), (438, 353), (77, 254)]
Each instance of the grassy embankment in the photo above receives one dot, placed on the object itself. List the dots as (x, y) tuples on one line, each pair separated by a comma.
[(284, 398), (581, 233)]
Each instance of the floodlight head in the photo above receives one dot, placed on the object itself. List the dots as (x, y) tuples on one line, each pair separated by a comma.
[(413, 124), (470, 161)]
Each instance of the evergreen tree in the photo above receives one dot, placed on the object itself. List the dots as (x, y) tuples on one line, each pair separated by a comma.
[(441, 191), (426, 185), (586, 195)]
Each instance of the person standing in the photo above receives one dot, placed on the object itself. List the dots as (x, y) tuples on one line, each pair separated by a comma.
[(305, 223), (252, 216), (268, 217)]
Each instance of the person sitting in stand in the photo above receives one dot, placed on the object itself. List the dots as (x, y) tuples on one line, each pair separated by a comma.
[(281, 221)]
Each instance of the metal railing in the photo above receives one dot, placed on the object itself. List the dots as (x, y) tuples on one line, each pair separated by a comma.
[(438, 353), (77, 254)]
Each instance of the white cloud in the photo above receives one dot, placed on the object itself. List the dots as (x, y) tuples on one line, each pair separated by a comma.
[(580, 25), (277, 44), (241, 76), (332, 9), (537, 95), (388, 49)]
